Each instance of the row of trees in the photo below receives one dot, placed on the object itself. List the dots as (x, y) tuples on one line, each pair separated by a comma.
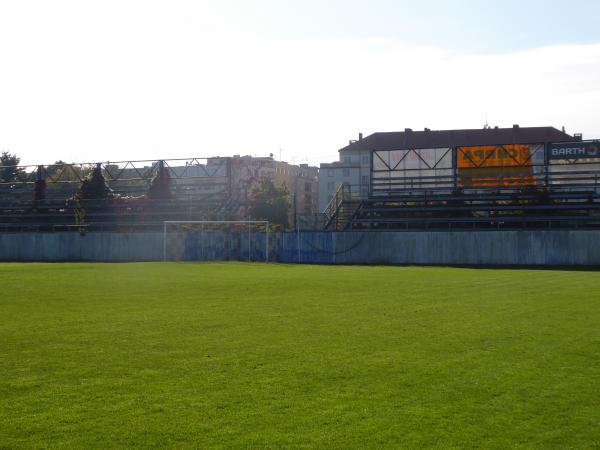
[(10, 170)]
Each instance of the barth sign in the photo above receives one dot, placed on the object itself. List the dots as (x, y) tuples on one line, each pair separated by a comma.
[(574, 150)]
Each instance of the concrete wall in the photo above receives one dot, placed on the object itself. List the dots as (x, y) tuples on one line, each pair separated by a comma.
[(568, 248), (75, 247), (564, 248)]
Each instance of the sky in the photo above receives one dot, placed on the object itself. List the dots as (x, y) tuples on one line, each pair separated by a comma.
[(85, 81)]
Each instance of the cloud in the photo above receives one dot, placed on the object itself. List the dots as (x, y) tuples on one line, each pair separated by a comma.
[(103, 89)]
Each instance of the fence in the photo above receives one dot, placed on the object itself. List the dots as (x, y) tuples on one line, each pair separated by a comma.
[(531, 247)]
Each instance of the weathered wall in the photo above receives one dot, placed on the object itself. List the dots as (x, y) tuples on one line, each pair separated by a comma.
[(475, 248), (75, 247), (566, 248)]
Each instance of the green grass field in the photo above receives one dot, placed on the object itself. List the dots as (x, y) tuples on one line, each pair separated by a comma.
[(271, 356)]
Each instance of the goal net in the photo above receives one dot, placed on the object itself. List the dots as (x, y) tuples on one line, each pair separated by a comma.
[(233, 240)]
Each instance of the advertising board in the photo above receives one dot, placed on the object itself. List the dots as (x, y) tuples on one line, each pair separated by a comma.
[(574, 150), (499, 165)]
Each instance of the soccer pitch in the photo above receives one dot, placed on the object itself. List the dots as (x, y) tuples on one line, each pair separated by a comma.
[(168, 355)]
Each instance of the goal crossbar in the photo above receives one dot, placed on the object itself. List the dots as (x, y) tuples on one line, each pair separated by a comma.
[(216, 222)]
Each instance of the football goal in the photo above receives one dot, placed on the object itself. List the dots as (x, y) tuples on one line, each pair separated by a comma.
[(216, 240)]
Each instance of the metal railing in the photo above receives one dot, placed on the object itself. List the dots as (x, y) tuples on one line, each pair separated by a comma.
[(347, 197)]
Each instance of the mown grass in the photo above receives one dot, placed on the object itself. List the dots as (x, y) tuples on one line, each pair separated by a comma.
[(271, 356)]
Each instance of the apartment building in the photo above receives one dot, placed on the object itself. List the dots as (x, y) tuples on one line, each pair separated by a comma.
[(353, 169)]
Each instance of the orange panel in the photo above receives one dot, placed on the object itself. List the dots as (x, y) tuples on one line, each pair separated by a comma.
[(495, 165)]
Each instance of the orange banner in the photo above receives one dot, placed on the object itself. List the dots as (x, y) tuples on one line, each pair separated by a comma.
[(495, 165)]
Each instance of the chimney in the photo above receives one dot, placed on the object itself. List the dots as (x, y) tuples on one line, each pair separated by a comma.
[(408, 130), (515, 126), (360, 137), (427, 129)]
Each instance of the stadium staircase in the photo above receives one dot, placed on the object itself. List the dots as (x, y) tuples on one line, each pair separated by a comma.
[(342, 208)]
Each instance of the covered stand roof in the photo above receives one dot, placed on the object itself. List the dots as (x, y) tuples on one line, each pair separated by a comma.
[(409, 139)]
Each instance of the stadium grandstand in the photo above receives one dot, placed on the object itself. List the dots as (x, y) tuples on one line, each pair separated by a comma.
[(491, 178), (127, 195), (141, 195)]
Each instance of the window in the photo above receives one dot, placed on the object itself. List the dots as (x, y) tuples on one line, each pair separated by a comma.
[(365, 180), (307, 187), (365, 160), (330, 172), (346, 172), (330, 186), (347, 159)]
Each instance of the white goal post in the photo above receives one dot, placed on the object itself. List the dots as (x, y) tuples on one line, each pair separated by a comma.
[(201, 223)]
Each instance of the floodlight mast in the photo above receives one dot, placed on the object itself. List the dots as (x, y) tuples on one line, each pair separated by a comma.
[(266, 223)]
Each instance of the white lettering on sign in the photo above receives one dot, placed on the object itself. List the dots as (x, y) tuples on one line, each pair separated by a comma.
[(568, 151)]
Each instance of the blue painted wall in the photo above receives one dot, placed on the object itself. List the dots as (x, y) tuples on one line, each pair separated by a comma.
[(563, 247)]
